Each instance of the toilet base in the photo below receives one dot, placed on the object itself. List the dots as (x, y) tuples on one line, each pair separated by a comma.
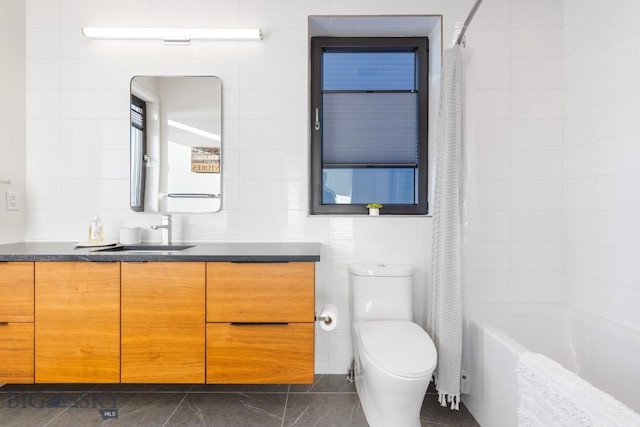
[(388, 400)]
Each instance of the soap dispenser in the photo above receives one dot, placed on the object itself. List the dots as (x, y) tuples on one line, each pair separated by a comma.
[(96, 232)]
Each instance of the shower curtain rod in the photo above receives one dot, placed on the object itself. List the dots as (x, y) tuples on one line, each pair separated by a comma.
[(467, 21)]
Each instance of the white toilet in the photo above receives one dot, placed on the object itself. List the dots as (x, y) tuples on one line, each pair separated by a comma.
[(394, 357)]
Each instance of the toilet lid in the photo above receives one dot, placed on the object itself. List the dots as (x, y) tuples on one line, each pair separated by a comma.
[(400, 347)]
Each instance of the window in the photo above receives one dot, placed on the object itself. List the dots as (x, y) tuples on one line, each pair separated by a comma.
[(138, 149), (369, 124)]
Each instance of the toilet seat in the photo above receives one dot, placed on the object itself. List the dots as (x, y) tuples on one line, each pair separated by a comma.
[(400, 347)]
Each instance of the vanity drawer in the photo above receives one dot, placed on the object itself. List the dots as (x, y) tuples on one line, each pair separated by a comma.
[(260, 292), (16, 353), (260, 353), (16, 292)]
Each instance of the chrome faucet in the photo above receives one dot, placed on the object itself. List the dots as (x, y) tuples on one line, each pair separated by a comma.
[(165, 226)]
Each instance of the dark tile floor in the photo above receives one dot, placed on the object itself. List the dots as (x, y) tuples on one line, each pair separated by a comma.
[(330, 401)]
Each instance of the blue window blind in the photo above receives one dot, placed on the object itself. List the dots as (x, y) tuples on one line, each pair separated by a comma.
[(369, 71), (370, 128)]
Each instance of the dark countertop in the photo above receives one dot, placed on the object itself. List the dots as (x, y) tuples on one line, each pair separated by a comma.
[(216, 252)]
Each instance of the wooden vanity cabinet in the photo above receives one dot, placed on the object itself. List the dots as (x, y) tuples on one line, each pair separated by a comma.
[(260, 322), (77, 328), (16, 322), (163, 322), (157, 322)]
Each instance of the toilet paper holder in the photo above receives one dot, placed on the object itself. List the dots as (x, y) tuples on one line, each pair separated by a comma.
[(328, 317), (325, 319)]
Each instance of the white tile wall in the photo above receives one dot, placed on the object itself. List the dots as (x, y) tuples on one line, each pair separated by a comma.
[(539, 195), (515, 80), (491, 73), (540, 43), (536, 134), (493, 165), (492, 195), (492, 134), (12, 117), (536, 286), (536, 15), (536, 226), (542, 165), (536, 73), (536, 256), (489, 43), (496, 285), (601, 160), (492, 104)]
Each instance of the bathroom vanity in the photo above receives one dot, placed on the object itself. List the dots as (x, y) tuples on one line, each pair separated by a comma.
[(211, 313)]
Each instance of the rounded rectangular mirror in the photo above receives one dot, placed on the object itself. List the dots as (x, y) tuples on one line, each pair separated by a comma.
[(176, 144)]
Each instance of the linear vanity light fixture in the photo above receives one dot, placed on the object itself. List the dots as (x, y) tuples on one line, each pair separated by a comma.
[(172, 35)]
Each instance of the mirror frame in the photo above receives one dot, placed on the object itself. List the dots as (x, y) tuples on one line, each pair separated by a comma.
[(175, 144)]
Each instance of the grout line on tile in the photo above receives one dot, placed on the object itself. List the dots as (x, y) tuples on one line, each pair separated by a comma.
[(286, 403), (234, 392), (323, 392), (178, 405), (82, 394)]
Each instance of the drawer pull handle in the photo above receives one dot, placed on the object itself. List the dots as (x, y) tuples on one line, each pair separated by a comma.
[(259, 262), (4, 323), (259, 323)]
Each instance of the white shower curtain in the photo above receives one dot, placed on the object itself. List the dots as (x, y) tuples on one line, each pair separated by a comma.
[(445, 297)]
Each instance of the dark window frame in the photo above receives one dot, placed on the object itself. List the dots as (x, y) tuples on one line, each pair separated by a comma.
[(318, 46)]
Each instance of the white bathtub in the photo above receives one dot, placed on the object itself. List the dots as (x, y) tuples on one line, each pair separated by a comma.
[(602, 352)]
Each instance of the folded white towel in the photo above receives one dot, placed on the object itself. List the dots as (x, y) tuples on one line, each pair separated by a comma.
[(552, 396)]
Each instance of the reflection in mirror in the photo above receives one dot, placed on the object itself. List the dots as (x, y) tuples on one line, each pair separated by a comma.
[(176, 144)]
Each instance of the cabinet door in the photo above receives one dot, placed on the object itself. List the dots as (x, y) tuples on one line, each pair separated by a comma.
[(16, 292), (16, 322), (260, 353), (77, 330), (260, 292), (16, 353), (163, 322)]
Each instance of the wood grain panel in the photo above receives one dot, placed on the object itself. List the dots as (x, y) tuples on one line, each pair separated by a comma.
[(260, 354), (163, 322), (260, 292), (16, 292), (77, 315), (16, 353)]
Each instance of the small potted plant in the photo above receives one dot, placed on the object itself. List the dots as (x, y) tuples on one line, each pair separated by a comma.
[(374, 208)]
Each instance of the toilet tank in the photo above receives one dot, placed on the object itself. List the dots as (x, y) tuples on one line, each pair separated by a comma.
[(381, 292)]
